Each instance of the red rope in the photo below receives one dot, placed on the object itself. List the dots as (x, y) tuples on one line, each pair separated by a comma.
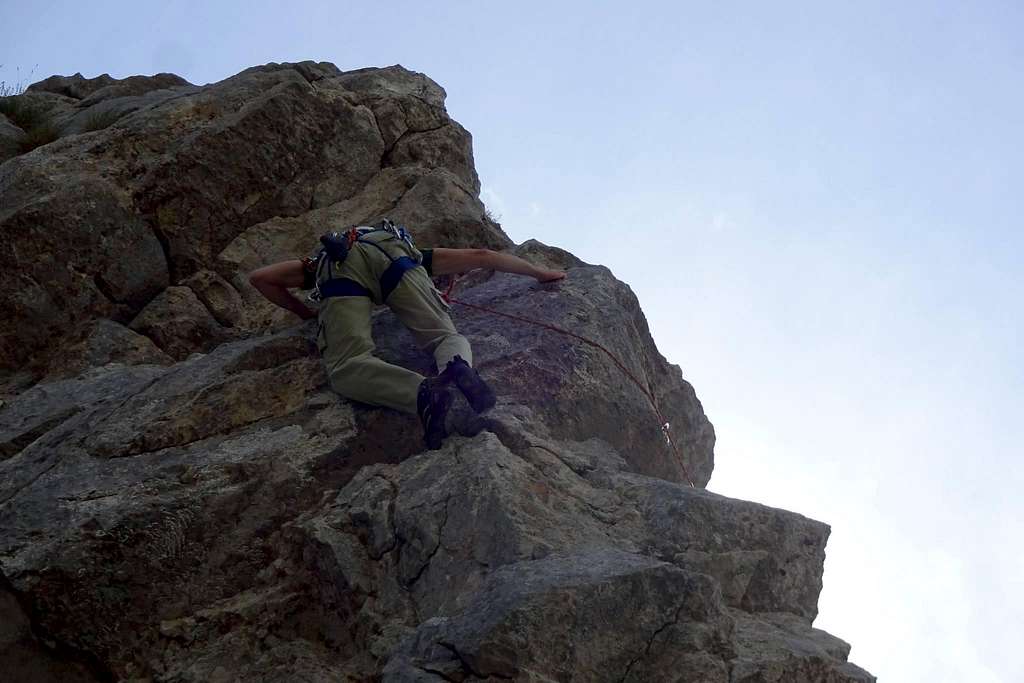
[(451, 285), (663, 424)]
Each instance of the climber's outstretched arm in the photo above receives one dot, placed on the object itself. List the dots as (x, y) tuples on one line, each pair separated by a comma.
[(273, 282), (448, 261)]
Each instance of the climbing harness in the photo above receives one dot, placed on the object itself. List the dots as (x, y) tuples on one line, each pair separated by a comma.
[(336, 248), (663, 424)]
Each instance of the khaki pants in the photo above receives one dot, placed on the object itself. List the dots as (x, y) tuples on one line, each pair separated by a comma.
[(345, 338)]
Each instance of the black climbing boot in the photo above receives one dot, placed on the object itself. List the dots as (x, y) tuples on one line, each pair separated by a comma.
[(470, 383), (432, 403)]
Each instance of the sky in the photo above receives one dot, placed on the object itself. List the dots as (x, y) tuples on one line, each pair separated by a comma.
[(815, 205)]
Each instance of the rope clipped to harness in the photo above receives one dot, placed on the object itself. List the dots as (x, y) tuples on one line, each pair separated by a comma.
[(662, 422)]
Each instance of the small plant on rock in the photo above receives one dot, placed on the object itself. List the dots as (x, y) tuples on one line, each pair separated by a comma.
[(21, 111), (98, 120), (491, 217), (16, 88), (38, 125), (28, 115), (42, 133)]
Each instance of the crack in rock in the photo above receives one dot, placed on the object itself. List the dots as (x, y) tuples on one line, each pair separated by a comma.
[(28, 484), (112, 411), (385, 159), (468, 667), (393, 532), (439, 674), (440, 533), (650, 643), (22, 441)]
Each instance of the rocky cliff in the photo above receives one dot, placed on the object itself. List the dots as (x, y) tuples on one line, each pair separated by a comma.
[(183, 499)]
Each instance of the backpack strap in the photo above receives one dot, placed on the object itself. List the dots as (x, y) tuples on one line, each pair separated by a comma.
[(393, 275), (342, 286)]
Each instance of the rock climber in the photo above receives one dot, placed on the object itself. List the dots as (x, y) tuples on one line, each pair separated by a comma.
[(367, 266)]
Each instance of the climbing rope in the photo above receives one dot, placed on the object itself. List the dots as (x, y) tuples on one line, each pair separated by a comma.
[(662, 423)]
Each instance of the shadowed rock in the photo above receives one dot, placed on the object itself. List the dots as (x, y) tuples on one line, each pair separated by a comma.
[(10, 138), (102, 342)]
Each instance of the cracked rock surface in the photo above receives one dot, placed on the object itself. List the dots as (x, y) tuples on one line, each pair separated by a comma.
[(182, 498)]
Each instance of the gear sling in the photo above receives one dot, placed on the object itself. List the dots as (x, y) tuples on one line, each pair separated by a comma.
[(357, 270)]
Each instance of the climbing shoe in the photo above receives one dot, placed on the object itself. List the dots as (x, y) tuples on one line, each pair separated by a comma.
[(433, 401), (470, 383)]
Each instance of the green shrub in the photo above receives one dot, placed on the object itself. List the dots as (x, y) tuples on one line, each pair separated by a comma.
[(22, 112), (99, 120), (29, 116), (35, 121), (25, 114), (42, 133)]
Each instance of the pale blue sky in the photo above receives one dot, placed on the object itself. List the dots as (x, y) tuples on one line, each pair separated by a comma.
[(816, 205)]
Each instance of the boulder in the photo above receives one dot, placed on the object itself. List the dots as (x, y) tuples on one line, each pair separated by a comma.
[(77, 104), (102, 342), (76, 251), (39, 105), (779, 647), (90, 116), (10, 139), (219, 297), (447, 146), (553, 619), (179, 323), (133, 86), (76, 87)]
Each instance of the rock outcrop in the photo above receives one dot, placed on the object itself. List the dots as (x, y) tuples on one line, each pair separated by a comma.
[(182, 498)]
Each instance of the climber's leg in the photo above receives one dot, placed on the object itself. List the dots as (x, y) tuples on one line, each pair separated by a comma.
[(420, 307), (347, 346)]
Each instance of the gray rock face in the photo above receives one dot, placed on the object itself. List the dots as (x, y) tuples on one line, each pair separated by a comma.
[(184, 499), (178, 322), (10, 138), (506, 632), (80, 105), (102, 342), (220, 298), (77, 251), (77, 87)]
